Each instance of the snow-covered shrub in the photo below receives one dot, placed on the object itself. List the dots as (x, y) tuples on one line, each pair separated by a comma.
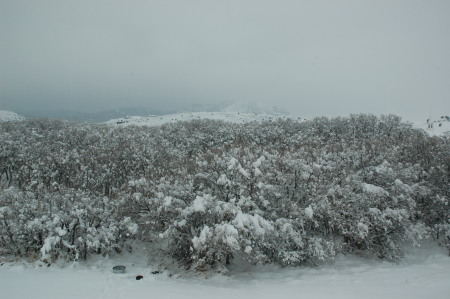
[(200, 235), (69, 225), (274, 192)]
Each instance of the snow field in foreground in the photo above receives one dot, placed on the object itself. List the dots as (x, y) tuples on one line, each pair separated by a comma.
[(424, 273)]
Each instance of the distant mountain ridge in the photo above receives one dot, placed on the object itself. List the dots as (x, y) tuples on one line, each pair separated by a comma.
[(100, 116), (103, 116)]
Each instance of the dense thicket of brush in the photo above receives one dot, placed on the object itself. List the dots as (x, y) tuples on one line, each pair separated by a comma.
[(205, 191)]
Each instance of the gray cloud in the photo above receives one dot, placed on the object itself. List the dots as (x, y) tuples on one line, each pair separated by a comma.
[(311, 57)]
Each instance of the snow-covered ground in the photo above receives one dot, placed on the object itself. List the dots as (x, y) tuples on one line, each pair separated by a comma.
[(233, 117), (424, 273), (235, 113), (232, 114), (10, 116), (435, 128)]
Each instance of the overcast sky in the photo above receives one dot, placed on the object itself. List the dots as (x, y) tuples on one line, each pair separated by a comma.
[(310, 57)]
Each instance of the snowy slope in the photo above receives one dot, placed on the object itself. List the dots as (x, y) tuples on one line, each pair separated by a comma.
[(233, 117), (243, 112), (438, 128), (238, 112), (434, 128), (10, 116), (253, 108), (423, 274)]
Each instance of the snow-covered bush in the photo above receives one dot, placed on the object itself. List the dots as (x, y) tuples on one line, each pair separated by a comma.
[(205, 191), (69, 226)]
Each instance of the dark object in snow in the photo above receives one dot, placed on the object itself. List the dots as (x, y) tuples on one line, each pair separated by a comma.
[(139, 277), (119, 269), (156, 272)]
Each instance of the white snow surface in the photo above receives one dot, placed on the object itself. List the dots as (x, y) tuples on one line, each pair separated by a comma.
[(10, 116), (434, 128), (232, 117), (424, 273)]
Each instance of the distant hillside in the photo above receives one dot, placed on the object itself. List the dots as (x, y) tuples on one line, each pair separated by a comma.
[(10, 116), (101, 116), (232, 117), (118, 113)]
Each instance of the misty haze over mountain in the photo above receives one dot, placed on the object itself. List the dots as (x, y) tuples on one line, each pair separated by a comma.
[(311, 58)]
